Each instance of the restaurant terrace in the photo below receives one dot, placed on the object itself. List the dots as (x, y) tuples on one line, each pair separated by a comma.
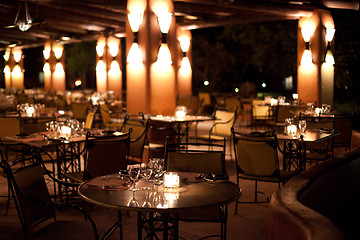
[(185, 119)]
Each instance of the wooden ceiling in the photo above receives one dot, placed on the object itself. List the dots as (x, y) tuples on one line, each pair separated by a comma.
[(86, 19)]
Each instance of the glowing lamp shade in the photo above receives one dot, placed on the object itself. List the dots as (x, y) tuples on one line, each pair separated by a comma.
[(17, 55), (330, 32), (58, 50), (100, 50), (114, 67), (46, 53), (164, 19), (7, 55), (306, 57), (100, 66), (59, 67), (135, 20), (46, 68), (307, 32), (114, 49), (185, 64), (16, 71), (135, 55), (184, 43), (329, 58), (7, 69), (164, 54)]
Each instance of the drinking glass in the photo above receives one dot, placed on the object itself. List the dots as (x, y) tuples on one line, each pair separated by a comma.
[(302, 126), (146, 172), (158, 169), (134, 173), (133, 202)]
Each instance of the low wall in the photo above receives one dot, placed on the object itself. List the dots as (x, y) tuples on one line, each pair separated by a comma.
[(321, 203)]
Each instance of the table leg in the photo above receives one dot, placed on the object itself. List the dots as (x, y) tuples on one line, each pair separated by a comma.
[(157, 223)]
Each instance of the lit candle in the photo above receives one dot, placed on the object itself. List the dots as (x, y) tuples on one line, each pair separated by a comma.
[(65, 131), (291, 130), (171, 180), (30, 111)]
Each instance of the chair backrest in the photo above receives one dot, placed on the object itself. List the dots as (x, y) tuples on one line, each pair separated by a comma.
[(205, 97), (89, 120), (159, 130), (195, 157), (79, 109), (343, 125), (9, 126), (283, 112), (256, 156), (231, 103), (106, 155), (104, 111), (28, 187), (318, 122), (224, 122), (138, 138), (259, 109)]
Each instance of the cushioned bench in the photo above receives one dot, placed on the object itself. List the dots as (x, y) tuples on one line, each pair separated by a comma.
[(323, 202)]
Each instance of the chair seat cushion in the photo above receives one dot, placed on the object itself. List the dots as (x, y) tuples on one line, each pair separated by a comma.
[(76, 176), (283, 176), (212, 137)]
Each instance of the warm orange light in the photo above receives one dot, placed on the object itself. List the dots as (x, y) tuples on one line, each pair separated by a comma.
[(164, 54), (58, 50), (330, 32), (46, 53), (307, 32), (329, 57), (135, 55), (7, 54), (306, 58), (135, 20), (59, 68), (164, 19), (7, 70), (184, 43), (113, 44), (17, 54), (46, 68), (114, 68), (185, 65)]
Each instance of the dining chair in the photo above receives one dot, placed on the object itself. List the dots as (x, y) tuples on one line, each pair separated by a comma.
[(257, 159), (35, 209), (342, 124), (139, 130), (107, 120), (323, 150), (197, 158), (280, 113), (23, 156), (221, 128), (260, 112), (79, 109), (158, 131), (89, 120), (102, 156)]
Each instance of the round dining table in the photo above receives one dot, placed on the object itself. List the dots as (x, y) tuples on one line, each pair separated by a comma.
[(149, 200)]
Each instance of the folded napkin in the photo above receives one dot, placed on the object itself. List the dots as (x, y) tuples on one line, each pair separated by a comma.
[(109, 183), (32, 138)]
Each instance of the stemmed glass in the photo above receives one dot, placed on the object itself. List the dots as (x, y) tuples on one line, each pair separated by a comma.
[(158, 166), (133, 202), (134, 173), (146, 172), (302, 126)]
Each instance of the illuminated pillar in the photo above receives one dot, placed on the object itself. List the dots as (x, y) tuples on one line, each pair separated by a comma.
[(54, 63), (315, 77), (150, 45), (184, 73), (108, 72), (13, 70)]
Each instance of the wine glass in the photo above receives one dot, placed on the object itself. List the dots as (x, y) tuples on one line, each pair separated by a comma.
[(133, 202), (158, 166), (302, 126), (146, 172), (134, 173)]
